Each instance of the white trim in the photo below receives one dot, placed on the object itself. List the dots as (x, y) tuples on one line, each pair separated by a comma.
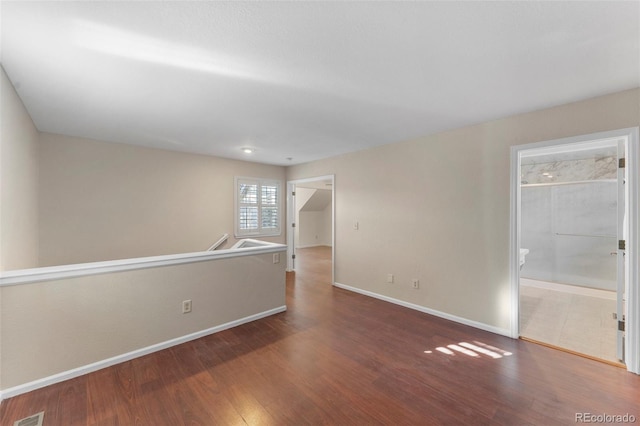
[(312, 179), (632, 356), (26, 276), (313, 245), (291, 215), (449, 317), (218, 243), (76, 372), (579, 144), (571, 289), (632, 349), (514, 243)]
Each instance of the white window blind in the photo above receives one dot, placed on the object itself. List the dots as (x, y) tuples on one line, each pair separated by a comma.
[(257, 207)]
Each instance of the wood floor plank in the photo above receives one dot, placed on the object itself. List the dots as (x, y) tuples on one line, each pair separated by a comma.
[(70, 406), (339, 358)]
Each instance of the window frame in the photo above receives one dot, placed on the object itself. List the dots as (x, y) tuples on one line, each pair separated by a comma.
[(259, 232)]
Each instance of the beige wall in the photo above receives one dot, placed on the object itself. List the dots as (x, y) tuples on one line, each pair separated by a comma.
[(326, 216), (105, 201), (56, 326), (301, 198), (439, 211), (313, 227), (18, 182), (18, 189)]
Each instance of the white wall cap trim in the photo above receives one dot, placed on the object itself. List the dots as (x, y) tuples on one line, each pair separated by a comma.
[(27, 276)]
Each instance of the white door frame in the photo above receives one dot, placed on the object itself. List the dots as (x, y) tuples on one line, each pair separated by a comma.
[(291, 217), (632, 347)]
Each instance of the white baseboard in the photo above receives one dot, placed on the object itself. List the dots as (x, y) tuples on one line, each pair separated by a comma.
[(76, 372), (454, 318), (313, 245)]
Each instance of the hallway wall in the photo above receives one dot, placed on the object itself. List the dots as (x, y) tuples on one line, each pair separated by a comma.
[(437, 208)]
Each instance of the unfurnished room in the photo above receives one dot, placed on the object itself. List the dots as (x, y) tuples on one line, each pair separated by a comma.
[(319, 212)]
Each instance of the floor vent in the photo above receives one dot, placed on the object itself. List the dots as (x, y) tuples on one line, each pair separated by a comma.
[(34, 420)]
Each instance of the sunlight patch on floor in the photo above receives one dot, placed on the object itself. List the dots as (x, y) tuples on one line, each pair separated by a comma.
[(473, 350)]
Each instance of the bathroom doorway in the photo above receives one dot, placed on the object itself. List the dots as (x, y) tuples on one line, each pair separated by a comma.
[(310, 219), (574, 284)]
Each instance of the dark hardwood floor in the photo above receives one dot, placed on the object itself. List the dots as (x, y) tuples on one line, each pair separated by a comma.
[(339, 358)]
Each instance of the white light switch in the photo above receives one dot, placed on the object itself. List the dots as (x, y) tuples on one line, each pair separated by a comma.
[(356, 225)]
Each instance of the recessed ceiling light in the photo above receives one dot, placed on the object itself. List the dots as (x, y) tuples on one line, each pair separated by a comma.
[(248, 150)]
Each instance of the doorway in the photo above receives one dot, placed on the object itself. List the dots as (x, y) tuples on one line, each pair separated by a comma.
[(310, 219), (575, 280)]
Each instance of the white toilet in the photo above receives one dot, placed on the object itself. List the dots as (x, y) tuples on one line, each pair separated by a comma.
[(523, 253)]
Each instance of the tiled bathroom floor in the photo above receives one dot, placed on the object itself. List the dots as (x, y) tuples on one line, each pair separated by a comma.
[(579, 323)]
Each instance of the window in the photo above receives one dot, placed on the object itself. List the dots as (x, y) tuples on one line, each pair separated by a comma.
[(257, 207)]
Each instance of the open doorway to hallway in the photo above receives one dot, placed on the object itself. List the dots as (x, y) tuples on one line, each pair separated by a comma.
[(310, 219)]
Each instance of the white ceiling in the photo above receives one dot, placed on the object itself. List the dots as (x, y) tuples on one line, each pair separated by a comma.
[(306, 80)]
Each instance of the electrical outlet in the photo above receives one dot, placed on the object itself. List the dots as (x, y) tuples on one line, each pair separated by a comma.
[(390, 278), (186, 306), (415, 283), (276, 257)]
